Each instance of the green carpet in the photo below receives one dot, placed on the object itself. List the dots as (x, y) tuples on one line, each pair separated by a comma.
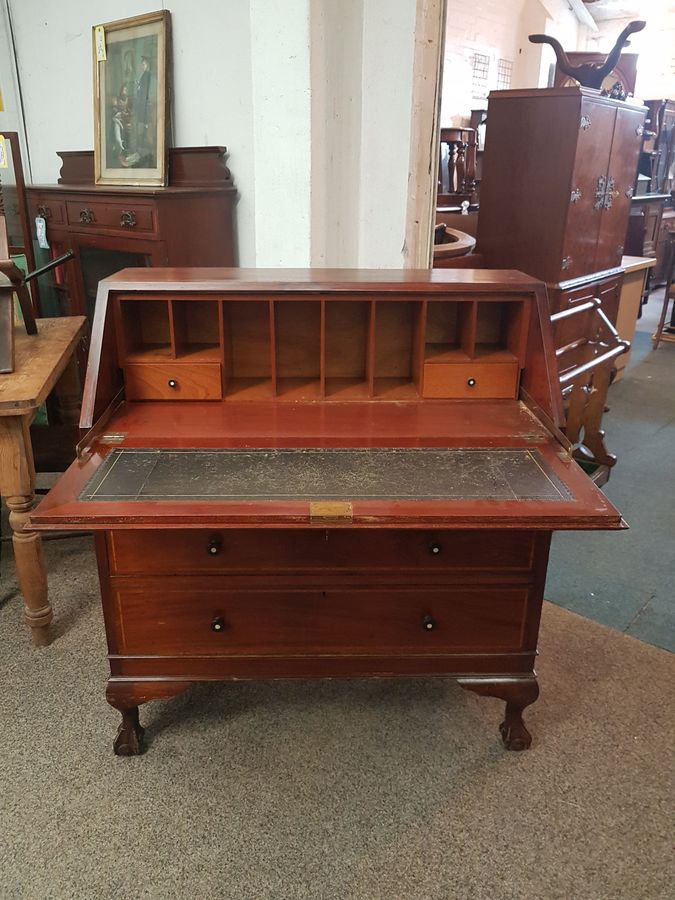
[(627, 580)]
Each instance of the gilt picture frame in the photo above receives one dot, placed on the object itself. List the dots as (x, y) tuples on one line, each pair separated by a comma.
[(132, 91)]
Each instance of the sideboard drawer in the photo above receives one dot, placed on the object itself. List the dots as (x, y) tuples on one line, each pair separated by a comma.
[(470, 380), (126, 217), (173, 381), (185, 618), (53, 211), (237, 551)]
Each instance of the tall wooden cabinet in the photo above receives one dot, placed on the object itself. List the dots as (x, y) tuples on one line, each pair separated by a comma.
[(558, 179), (559, 171)]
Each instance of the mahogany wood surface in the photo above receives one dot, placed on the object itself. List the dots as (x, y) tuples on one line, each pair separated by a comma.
[(216, 589)]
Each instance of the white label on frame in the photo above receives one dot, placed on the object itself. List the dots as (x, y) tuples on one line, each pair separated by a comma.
[(4, 161), (41, 232), (99, 41)]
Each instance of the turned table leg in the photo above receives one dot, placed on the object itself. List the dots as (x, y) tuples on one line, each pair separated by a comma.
[(519, 692), (17, 484)]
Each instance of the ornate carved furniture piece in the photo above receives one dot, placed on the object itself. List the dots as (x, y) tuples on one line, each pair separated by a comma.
[(322, 473), (44, 361)]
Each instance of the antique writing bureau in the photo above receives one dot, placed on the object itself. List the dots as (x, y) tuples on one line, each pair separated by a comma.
[(318, 473)]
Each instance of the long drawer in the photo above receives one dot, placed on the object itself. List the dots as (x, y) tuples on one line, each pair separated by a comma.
[(247, 551), (181, 617), (127, 217)]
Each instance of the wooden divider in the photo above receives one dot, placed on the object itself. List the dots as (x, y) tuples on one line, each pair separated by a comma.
[(314, 348)]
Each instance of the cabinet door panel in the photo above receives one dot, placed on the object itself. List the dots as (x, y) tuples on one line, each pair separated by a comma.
[(621, 173), (583, 219)]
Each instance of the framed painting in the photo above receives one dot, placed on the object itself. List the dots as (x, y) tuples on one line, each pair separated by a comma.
[(132, 100)]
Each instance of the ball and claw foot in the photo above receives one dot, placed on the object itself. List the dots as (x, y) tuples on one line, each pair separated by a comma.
[(129, 739), (515, 735)]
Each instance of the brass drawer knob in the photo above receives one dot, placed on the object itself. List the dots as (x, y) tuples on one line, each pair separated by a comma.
[(214, 546), (128, 218), (86, 216), (173, 384), (218, 624), (428, 623), (435, 548), (471, 382)]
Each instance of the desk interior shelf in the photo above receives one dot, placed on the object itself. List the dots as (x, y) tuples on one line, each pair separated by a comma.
[(309, 348)]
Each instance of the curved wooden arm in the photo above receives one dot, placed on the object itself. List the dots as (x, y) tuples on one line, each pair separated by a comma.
[(589, 74)]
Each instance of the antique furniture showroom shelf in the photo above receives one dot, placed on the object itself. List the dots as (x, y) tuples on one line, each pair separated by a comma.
[(322, 473)]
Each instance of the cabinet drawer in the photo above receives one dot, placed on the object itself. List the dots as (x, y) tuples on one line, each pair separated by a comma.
[(125, 217), (173, 381), (52, 210), (470, 380), (338, 551), (174, 617)]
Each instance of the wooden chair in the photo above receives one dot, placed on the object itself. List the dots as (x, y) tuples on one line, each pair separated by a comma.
[(669, 294), (460, 176)]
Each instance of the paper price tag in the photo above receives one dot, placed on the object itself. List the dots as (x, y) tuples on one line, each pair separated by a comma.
[(41, 232), (99, 43), (4, 161)]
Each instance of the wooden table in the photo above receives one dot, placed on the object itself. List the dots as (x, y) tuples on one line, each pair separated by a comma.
[(632, 290), (43, 362)]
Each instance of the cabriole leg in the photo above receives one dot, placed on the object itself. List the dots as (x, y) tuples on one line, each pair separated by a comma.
[(126, 696), (518, 692)]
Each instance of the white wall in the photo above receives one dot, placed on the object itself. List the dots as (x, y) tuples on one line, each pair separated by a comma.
[(655, 46), (311, 97), (212, 82), (500, 29), (387, 69)]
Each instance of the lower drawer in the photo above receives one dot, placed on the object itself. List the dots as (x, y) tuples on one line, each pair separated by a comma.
[(470, 380), (236, 551), (173, 381), (179, 617)]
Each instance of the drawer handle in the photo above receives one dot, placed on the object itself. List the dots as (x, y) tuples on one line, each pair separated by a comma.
[(218, 624), (44, 212), (471, 382), (214, 546), (435, 548), (428, 623), (173, 384), (128, 219), (86, 216)]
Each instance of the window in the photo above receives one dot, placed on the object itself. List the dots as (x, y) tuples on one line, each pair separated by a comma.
[(479, 78), (504, 74)]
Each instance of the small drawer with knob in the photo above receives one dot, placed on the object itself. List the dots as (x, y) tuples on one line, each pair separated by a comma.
[(206, 616), (480, 380), (173, 381)]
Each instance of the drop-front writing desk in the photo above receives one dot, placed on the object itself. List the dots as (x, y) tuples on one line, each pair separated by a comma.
[(322, 473)]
